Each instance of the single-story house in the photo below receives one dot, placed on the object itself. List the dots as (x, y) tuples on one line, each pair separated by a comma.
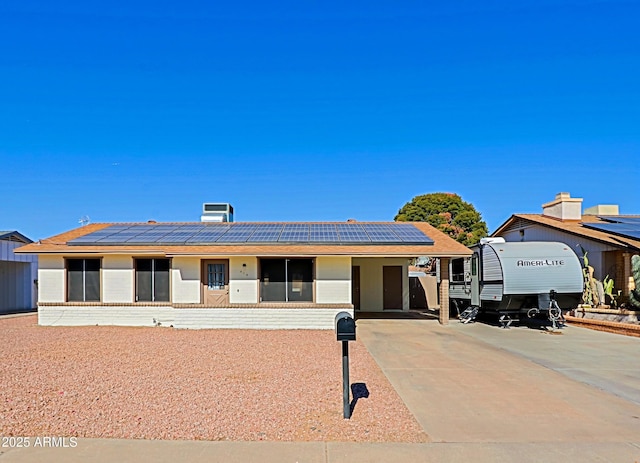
[(18, 274), (233, 274), (599, 230)]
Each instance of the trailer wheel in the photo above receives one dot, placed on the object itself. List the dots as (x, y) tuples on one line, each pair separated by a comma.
[(533, 312)]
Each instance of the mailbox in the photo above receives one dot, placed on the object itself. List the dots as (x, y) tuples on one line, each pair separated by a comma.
[(345, 327)]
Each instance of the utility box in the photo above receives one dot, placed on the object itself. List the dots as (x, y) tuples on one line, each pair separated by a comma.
[(345, 327), (217, 212)]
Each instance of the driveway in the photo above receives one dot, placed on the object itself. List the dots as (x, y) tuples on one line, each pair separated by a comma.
[(467, 384), (606, 361)]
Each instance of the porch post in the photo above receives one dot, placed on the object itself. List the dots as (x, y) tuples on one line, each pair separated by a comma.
[(444, 291), (626, 272)]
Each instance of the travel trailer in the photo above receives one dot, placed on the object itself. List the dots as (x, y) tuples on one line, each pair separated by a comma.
[(512, 279)]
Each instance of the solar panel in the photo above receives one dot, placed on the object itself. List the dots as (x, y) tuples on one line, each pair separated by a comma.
[(100, 234), (266, 233), (150, 237), (139, 229), (87, 239), (609, 226), (379, 233), (117, 238), (209, 234), (221, 233), (174, 239), (94, 236), (295, 232), (238, 233), (323, 233), (630, 221), (409, 233), (181, 235), (352, 233), (621, 219), (185, 232), (623, 229)]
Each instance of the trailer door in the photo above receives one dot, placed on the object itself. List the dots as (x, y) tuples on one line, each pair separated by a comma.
[(475, 280)]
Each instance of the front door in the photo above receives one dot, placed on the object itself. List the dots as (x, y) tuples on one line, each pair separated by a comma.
[(392, 287), (215, 282), (475, 281)]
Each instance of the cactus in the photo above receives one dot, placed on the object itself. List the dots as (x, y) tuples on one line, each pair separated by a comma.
[(634, 294), (607, 287), (590, 291)]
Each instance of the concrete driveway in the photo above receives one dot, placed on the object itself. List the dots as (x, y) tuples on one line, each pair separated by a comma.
[(479, 384), (610, 362)]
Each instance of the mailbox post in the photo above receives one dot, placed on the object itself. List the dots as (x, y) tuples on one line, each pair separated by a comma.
[(345, 332)]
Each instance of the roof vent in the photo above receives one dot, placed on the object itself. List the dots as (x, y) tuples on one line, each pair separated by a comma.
[(217, 212)]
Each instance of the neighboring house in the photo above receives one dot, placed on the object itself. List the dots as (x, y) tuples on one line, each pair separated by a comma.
[(232, 275), (18, 274), (609, 247)]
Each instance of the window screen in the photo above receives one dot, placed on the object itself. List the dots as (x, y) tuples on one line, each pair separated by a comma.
[(152, 280), (286, 280), (83, 280)]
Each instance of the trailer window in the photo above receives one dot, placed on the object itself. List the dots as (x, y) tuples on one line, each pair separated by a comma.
[(474, 265), (457, 270)]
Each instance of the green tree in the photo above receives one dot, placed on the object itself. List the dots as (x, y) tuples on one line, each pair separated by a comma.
[(448, 213)]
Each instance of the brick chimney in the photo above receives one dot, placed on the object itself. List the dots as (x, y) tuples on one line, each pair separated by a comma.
[(564, 207)]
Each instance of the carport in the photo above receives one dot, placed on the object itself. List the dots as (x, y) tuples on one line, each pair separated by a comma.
[(386, 285)]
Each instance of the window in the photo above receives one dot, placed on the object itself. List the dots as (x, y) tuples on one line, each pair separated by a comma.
[(457, 270), (216, 276), (152, 280), (83, 280), (286, 280)]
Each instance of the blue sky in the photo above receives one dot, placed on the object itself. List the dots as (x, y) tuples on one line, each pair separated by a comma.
[(313, 110)]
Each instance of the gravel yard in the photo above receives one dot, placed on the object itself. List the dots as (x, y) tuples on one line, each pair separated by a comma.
[(163, 383)]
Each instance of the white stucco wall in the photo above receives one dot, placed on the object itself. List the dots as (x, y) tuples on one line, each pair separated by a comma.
[(243, 280), (333, 280), (118, 278), (371, 282), (118, 286), (51, 279), (185, 280)]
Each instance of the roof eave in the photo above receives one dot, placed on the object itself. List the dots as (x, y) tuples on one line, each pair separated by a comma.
[(609, 242), (15, 234), (239, 252)]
